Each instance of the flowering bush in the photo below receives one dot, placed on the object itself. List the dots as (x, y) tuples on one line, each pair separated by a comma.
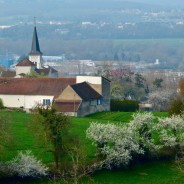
[(144, 127), (24, 165), (172, 131), (119, 143), (114, 142)]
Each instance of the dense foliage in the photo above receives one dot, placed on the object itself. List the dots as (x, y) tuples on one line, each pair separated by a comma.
[(1, 104), (124, 105), (176, 107)]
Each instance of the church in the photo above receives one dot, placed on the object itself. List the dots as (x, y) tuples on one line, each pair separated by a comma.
[(35, 62), (74, 96)]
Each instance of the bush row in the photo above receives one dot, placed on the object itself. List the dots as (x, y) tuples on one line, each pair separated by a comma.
[(124, 105)]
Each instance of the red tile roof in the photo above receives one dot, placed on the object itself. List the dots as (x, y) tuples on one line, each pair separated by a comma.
[(34, 86), (25, 62), (67, 106)]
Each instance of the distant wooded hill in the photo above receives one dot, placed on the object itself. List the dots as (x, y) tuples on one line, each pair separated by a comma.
[(12, 11)]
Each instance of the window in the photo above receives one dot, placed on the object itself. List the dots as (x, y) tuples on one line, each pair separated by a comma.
[(46, 101), (99, 102)]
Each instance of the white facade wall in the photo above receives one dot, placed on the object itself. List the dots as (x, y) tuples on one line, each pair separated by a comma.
[(90, 79), (26, 101), (23, 69), (95, 82), (36, 59)]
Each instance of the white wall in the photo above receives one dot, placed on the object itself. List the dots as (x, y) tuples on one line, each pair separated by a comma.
[(37, 59), (23, 69), (27, 101), (90, 79)]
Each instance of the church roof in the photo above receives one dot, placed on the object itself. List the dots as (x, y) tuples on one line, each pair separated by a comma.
[(25, 62), (35, 49)]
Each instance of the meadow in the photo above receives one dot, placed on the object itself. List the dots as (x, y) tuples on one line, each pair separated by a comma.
[(161, 172)]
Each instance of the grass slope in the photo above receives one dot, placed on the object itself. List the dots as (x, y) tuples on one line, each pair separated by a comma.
[(23, 139), (150, 173)]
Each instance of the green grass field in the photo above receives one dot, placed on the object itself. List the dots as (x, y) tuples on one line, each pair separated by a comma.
[(149, 173)]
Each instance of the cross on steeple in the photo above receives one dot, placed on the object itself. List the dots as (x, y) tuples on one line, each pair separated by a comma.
[(35, 21)]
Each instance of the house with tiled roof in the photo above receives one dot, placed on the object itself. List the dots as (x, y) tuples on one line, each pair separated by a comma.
[(25, 66), (77, 96), (35, 61), (79, 99)]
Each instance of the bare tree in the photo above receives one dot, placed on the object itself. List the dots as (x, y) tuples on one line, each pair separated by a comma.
[(161, 99)]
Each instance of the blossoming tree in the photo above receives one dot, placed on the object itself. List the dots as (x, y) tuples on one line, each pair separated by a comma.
[(118, 144)]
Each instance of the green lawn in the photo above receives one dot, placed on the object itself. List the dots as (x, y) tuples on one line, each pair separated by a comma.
[(150, 173), (119, 116)]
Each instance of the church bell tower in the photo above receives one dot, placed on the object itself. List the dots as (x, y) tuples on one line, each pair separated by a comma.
[(35, 55)]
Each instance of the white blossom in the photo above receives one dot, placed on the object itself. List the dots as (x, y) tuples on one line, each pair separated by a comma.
[(143, 126), (161, 99), (171, 130), (118, 143), (25, 164)]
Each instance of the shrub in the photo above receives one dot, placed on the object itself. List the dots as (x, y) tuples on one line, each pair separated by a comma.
[(124, 105), (180, 164), (24, 165), (1, 104), (143, 136), (176, 107), (115, 144)]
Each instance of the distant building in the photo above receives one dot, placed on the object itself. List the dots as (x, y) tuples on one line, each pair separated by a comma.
[(6, 73), (35, 61)]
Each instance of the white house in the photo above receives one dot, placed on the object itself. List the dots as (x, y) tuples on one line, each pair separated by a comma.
[(73, 96), (29, 92)]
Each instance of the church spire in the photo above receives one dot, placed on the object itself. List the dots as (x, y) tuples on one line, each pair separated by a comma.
[(35, 55), (35, 49)]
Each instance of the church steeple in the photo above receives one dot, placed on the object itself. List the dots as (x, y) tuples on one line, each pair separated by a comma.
[(35, 55), (35, 49)]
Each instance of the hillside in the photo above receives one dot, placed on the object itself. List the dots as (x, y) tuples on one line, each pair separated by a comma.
[(163, 172)]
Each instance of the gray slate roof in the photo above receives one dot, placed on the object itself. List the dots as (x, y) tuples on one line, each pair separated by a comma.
[(35, 49), (25, 62), (85, 91)]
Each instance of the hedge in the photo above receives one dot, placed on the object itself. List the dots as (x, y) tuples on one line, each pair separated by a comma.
[(124, 105)]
